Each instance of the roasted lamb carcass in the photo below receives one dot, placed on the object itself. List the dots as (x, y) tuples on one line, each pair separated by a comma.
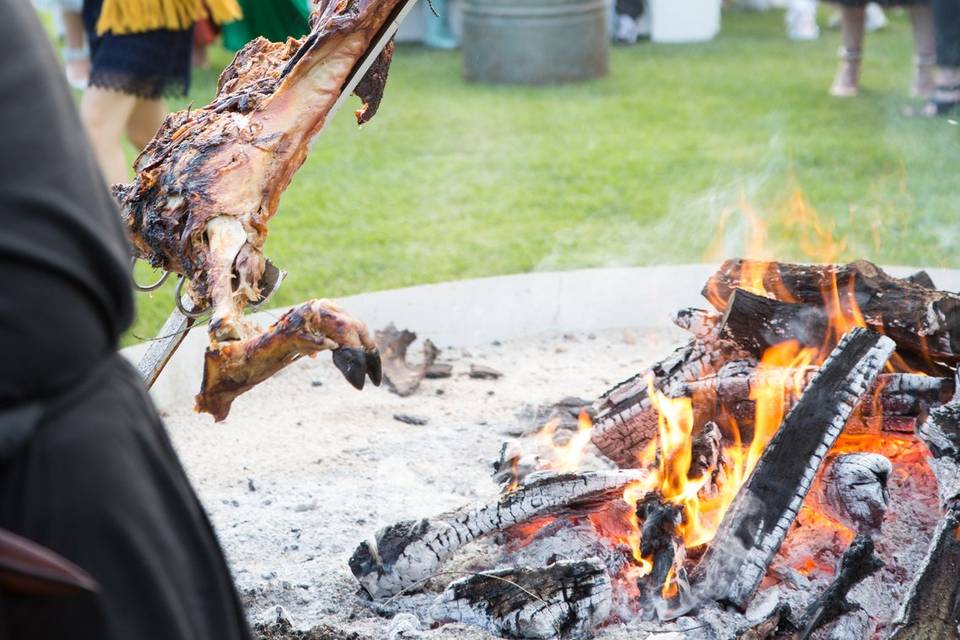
[(211, 179)]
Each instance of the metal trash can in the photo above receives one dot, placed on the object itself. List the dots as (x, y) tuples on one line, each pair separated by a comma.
[(534, 41)]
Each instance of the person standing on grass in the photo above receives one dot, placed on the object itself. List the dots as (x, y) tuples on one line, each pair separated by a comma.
[(140, 53), (86, 467), (946, 94), (846, 83)]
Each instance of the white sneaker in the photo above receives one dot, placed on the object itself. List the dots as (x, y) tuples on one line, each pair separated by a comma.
[(876, 18), (626, 30), (801, 19)]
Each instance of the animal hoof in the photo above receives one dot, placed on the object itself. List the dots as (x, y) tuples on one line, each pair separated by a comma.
[(374, 369), (352, 364)]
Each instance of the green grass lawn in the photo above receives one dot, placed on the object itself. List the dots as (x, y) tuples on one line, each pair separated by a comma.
[(653, 164)]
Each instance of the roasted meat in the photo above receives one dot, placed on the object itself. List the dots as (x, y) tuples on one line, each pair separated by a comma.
[(210, 181)]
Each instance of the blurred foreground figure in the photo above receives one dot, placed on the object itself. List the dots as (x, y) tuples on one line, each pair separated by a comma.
[(846, 83), (140, 53), (86, 467)]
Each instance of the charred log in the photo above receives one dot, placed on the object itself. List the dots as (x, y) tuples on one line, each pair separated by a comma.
[(922, 279), (921, 321), (853, 490), (707, 459), (563, 599), (757, 521), (729, 393), (403, 555), (858, 563), (932, 606), (626, 420), (402, 377), (659, 541)]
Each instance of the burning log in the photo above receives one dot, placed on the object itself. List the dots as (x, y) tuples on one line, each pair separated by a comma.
[(854, 490), (757, 521), (627, 420), (659, 540), (858, 563), (932, 606), (707, 459), (563, 599), (405, 554), (402, 377), (729, 392), (923, 322)]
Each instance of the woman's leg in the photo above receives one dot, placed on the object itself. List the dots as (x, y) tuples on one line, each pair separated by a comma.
[(846, 84), (924, 49), (144, 120), (105, 114), (76, 54)]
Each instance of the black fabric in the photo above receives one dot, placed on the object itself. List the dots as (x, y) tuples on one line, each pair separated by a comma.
[(58, 222), (86, 467), (100, 484), (946, 17), (151, 64)]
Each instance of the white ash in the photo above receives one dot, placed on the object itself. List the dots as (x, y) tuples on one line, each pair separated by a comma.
[(299, 474)]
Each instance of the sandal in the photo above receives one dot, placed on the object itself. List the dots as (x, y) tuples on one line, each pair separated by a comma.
[(945, 99), (846, 84)]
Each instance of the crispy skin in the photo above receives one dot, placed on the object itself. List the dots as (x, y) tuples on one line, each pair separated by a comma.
[(211, 179)]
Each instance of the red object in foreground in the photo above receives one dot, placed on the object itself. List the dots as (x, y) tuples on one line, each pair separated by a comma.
[(28, 569)]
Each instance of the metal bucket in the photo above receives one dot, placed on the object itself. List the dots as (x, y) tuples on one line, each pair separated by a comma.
[(534, 41)]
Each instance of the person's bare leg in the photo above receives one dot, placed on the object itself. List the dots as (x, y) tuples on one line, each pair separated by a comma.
[(924, 50), (105, 114), (76, 55), (144, 120), (846, 84)]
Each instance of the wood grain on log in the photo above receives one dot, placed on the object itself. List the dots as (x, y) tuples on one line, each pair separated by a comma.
[(563, 599), (931, 610), (403, 555), (757, 521), (402, 377), (853, 490), (858, 563), (626, 420), (921, 321)]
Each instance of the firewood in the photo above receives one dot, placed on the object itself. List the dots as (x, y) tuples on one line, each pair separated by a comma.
[(853, 490), (403, 555), (757, 323), (707, 459), (858, 563), (922, 279), (402, 377), (701, 323), (626, 419), (921, 321), (563, 599), (659, 540), (931, 609), (728, 391), (757, 521), (932, 606)]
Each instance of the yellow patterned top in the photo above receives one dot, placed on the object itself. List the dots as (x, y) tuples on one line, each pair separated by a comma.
[(136, 16)]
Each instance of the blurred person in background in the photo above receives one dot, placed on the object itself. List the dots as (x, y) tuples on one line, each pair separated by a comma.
[(846, 83), (86, 466), (946, 92), (140, 53), (626, 26), (275, 20), (68, 23)]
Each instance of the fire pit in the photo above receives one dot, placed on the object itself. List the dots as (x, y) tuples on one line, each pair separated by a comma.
[(704, 507)]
